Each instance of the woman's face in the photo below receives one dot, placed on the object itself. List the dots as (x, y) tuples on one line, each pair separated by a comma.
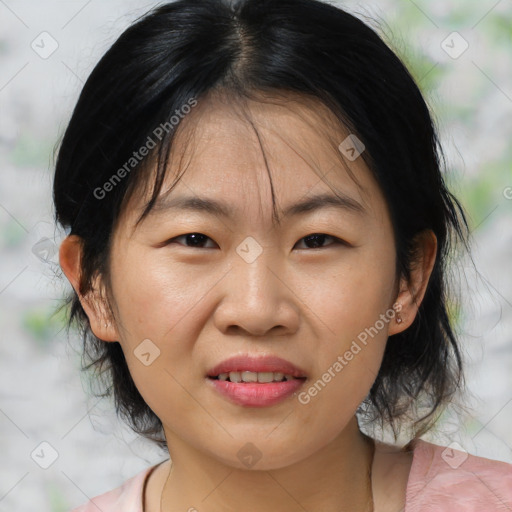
[(245, 287)]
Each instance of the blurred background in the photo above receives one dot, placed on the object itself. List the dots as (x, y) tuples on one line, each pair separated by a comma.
[(60, 446)]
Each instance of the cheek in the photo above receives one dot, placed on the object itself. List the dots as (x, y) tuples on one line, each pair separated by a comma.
[(159, 308), (350, 296), (156, 299), (350, 304), (349, 346)]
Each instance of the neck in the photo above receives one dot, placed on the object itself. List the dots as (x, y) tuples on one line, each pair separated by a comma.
[(337, 478)]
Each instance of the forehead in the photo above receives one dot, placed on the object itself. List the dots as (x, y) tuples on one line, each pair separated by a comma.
[(295, 140), (227, 150)]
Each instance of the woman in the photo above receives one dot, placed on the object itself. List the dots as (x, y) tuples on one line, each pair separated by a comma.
[(258, 233)]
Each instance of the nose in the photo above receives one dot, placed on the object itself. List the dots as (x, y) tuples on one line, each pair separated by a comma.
[(258, 298)]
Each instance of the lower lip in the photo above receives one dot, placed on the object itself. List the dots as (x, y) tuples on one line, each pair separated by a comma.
[(256, 394)]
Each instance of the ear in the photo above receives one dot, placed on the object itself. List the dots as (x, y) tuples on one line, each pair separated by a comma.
[(411, 293), (93, 303)]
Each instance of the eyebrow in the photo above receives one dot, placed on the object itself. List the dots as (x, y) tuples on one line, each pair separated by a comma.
[(221, 209)]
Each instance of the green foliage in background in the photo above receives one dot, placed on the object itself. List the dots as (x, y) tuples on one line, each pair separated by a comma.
[(480, 193), (12, 234), (43, 323), (56, 499), (31, 151)]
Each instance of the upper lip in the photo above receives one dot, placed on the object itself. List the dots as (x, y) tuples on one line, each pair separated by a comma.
[(256, 364)]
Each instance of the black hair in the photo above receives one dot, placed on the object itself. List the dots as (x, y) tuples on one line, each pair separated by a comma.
[(186, 50)]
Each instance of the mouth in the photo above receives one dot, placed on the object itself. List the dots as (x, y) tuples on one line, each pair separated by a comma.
[(256, 381), (260, 377), (246, 368)]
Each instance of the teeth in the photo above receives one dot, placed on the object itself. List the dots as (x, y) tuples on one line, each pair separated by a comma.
[(265, 376), (254, 376), (235, 377), (249, 377)]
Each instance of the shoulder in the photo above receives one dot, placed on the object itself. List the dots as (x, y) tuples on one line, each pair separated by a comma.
[(128, 497), (443, 477)]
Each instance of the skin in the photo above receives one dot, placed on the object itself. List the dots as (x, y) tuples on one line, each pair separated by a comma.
[(201, 305)]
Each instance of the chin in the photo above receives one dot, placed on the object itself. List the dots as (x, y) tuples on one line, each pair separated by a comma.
[(262, 453)]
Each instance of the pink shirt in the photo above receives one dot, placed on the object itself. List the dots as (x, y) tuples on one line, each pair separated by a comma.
[(440, 480)]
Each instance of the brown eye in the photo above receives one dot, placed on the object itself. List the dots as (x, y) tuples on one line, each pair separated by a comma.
[(316, 240), (192, 240)]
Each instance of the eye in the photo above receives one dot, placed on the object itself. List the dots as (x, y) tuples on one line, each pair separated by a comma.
[(317, 240), (313, 241), (195, 239)]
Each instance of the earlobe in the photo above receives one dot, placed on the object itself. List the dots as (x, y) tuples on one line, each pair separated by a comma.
[(70, 253), (411, 292)]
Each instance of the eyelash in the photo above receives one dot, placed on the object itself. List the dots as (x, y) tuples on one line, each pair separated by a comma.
[(337, 241)]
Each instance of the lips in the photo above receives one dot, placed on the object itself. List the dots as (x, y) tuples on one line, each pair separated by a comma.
[(256, 381), (265, 364)]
